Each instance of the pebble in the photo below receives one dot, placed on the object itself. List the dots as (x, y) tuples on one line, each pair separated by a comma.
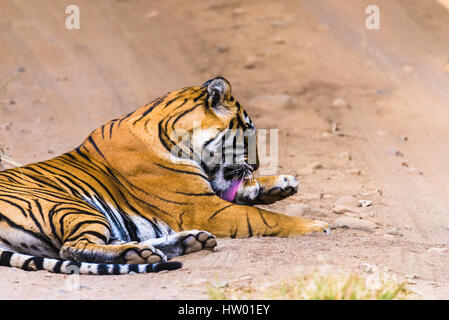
[(354, 171), (395, 152), (279, 40), (316, 166), (414, 170), (279, 23), (403, 137), (345, 155), (251, 62), (151, 14), (217, 4), (222, 47), (388, 236), (239, 11), (407, 69), (341, 209), (438, 250), (365, 203), (340, 103), (394, 232), (347, 201), (353, 223), (369, 268)]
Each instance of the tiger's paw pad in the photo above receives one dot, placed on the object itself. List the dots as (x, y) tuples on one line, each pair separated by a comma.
[(144, 254), (196, 240), (286, 186)]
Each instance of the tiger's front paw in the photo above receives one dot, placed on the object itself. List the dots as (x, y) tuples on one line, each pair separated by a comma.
[(284, 186)]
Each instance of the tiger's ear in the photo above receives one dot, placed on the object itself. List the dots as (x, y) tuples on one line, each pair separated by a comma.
[(218, 90)]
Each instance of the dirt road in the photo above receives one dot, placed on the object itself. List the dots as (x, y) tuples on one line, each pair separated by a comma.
[(368, 116)]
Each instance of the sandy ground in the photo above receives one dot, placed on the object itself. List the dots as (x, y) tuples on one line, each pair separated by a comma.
[(387, 143)]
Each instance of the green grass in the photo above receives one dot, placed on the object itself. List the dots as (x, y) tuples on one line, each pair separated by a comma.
[(317, 286)]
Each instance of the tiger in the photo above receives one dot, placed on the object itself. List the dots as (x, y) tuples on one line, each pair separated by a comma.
[(124, 202)]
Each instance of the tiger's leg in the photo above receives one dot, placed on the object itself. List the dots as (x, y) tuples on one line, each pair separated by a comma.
[(266, 190), (183, 242), (86, 235), (225, 219)]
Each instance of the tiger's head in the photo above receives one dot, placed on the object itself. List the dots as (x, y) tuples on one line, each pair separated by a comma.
[(208, 125)]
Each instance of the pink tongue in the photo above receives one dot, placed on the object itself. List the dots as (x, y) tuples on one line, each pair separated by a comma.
[(229, 194)]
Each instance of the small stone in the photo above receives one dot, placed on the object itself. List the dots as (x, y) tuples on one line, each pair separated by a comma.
[(279, 40), (341, 209), (403, 137), (388, 236), (438, 250), (395, 152), (335, 128), (394, 232), (345, 155), (353, 223), (251, 62), (217, 4), (411, 276), (414, 170), (279, 23), (340, 103), (354, 171), (151, 14), (408, 227), (222, 47), (369, 268), (239, 11), (365, 203), (407, 69), (347, 201), (20, 69), (316, 166)]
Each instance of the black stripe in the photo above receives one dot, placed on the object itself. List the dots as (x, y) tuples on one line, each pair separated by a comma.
[(116, 269), (208, 194), (38, 264), (102, 269), (57, 266), (93, 233), (182, 171), (218, 211), (250, 230), (5, 258), (133, 268), (91, 140), (155, 104)]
